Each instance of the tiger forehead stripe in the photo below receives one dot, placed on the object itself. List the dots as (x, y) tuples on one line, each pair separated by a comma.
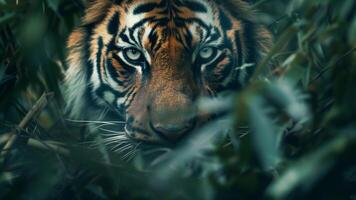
[(144, 8), (172, 11), (184, 16), (194, 6)]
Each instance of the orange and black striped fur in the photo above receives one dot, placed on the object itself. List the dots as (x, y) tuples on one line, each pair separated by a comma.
[(131, 60)]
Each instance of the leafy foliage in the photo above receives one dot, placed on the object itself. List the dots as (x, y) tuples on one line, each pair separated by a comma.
[(290, 134)]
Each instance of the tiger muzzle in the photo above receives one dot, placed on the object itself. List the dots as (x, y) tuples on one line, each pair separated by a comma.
[(167, 117), (163, 109)]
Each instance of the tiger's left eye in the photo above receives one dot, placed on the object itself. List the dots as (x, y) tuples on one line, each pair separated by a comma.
[(207, 53), (133, 54)]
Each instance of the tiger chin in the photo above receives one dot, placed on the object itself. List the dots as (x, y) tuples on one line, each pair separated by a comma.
[(130, 62)]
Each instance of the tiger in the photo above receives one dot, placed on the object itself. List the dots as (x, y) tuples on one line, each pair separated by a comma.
[(130, 61)]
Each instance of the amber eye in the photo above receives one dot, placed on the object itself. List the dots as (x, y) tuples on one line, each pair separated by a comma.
[(207, 53), (133, 54)]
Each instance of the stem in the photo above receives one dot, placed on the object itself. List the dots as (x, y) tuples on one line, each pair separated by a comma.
[(31, 114)]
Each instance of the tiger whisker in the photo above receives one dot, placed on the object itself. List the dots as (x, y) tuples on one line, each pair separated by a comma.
[(110, 131), (102, 125), (134, 152), (118, 145), (123, 148), (117, 137), (119, 133), (128, 154), (116, 141), (108, 141), (133, 155)]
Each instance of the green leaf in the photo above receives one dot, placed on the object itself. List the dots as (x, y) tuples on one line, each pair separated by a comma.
[(53, 4), (264, 134), (6, 18)]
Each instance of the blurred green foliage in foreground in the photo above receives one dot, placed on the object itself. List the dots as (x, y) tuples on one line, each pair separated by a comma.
[(290, 134)]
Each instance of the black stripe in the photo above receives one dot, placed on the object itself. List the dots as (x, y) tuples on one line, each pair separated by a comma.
[(104, 88), (128, 94), (112, 72), (144, 8), (112, 46), (224, 21), (114, 24), (133, 94), (98, 57), (118, 1), (250, 44), (188, 38), (161, 22), (124, 37), (214, 36), (227, 41), (195, 6), (132, 37), (239, 48), (142, 22), (126, 67), (153, 37)]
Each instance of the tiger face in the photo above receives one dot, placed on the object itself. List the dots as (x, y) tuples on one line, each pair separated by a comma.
[(140, 60)]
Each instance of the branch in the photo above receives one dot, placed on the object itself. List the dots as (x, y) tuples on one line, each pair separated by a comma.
[(32, 113)]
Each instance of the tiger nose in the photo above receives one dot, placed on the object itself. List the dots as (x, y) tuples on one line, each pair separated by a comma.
[(172, 131)]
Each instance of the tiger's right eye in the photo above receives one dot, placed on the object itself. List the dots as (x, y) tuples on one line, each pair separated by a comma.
[(207, 54), (133, 54)]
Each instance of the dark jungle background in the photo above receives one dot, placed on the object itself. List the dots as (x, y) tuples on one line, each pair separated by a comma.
[(289, 135)]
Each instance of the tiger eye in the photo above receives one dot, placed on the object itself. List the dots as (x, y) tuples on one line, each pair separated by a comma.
[(133, 54), (206, 53)]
